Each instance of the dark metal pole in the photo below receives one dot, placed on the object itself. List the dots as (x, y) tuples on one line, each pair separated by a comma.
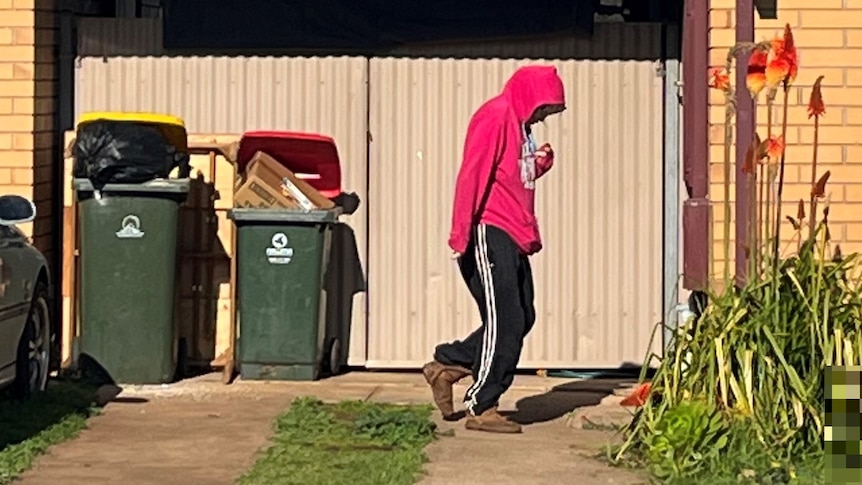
[(745, 126)]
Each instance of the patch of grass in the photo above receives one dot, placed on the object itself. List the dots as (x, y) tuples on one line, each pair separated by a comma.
[(351, 442), (28, 428)]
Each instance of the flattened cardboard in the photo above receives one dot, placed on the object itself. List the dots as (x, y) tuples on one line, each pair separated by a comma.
[(256, 194), (263, 187)]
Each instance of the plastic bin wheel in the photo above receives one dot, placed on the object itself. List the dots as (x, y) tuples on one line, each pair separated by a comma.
[(332, 357)]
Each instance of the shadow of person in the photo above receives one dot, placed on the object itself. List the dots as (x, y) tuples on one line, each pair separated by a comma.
[(565, 398)]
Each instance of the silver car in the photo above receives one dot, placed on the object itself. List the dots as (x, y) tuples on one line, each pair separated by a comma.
[(28, 336)]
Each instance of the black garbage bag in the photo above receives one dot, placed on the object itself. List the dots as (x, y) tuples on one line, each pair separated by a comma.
[(348, 201), (124, 152)]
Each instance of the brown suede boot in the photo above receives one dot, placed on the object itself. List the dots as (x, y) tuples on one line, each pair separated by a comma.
[(441, 378), (492, 421)]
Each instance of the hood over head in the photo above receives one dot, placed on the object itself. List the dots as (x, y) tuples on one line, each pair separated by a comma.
[(531, 87)]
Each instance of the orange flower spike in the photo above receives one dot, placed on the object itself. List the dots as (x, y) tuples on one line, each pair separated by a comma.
[(815, 102), (719, 79), (638, 397), (774, 147), (777, 69), (800, 210), (790, 54), (781, 62), (755, 79)]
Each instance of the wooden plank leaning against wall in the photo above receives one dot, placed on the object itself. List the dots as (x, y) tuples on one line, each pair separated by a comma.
[(204, 294)]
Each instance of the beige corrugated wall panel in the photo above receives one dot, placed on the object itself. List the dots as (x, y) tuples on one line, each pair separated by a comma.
[(598, 280), (232, 95)]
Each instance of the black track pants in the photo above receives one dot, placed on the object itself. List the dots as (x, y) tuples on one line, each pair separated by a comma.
[(501, 281)]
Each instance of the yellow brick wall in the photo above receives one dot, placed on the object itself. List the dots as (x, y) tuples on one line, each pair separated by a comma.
[(28, 77), (828, 35)]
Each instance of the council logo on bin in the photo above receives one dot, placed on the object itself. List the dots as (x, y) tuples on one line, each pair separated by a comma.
[(130, 228), (278, 252)]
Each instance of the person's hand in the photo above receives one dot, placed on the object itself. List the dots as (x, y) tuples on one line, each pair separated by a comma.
[(544, 159), (456, 255), (545, 151)]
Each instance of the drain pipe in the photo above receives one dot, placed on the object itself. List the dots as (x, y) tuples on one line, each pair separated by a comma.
[(745, 126), (670, 180), (696, 209)]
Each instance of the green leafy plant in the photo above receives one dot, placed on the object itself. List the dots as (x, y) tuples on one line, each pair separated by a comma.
[(738, 398), (677, 440)]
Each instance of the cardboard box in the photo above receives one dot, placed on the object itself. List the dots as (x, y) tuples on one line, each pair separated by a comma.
[(264, 187)]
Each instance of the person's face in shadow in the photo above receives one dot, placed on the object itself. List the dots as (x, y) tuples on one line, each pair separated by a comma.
[(544, 111)]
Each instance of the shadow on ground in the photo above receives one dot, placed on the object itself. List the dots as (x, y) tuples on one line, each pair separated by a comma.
[(70, 396), (565, 398), (22, 420)]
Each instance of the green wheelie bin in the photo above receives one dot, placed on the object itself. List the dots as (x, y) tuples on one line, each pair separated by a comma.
[(282, 257), (128, 210), (128, 259)]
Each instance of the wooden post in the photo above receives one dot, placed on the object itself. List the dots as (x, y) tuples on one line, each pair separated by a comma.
[(228, 371)]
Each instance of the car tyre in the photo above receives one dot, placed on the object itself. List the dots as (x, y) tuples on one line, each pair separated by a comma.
[(33, 361)]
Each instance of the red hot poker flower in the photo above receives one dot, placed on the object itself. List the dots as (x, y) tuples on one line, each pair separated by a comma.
[(756, 77), (719, 79), (815, 102), (772, 148), (639, 396), (781, 62)]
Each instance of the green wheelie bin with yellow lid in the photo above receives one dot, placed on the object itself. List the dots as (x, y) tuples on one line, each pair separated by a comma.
[(128, 209)]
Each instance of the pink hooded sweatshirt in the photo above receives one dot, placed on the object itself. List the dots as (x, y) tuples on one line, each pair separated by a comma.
[(493, 186)]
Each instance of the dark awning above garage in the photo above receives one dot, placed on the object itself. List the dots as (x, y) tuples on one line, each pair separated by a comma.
[(374, 25)]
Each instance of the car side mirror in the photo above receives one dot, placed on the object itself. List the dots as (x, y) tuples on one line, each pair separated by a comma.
[(15, 209)]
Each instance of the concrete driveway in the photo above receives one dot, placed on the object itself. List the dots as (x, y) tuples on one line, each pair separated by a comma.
[(201, 432)]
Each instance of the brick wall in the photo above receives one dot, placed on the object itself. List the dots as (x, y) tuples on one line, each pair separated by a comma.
[(28, 78), (828, 34)]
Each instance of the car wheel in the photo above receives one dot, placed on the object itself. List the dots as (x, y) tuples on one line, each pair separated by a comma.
[(34, 349)]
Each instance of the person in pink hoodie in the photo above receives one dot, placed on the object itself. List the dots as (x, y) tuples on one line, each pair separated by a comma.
[(494, 231)]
